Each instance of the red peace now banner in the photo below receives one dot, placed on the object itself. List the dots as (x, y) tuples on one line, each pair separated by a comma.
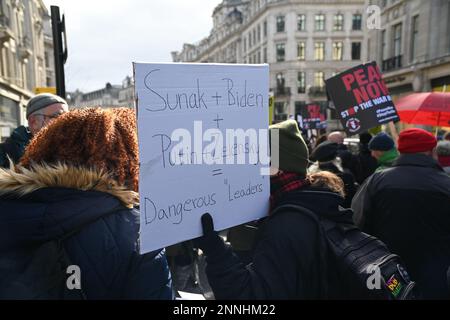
[(361, 98)]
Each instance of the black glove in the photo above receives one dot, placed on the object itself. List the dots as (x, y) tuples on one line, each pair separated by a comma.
[(210, 243)]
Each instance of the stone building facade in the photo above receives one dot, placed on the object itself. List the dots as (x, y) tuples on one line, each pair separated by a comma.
[(26, 58), (413, 45), (303, 41)]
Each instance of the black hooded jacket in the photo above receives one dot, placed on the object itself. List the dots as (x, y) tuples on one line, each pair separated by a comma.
[(14, 146), (287, 257), (408, 208)]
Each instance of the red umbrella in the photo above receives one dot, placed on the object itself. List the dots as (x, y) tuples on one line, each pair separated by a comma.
[(427, 108)]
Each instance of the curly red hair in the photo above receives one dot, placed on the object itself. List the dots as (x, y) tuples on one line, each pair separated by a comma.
[(104, 139)]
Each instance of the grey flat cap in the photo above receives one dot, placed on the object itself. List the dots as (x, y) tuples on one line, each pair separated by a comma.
[(43, 100)]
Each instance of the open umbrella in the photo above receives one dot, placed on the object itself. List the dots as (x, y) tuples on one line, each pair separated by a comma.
[(427, 108)]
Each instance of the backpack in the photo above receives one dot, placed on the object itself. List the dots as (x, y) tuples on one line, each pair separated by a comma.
[(39, 272), (357, 265)]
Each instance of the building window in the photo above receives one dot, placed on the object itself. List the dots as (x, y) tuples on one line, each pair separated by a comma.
[(318, 79), (319, 51), (280, 111), (265, 29), (254, 37), (301, 22), (280, 82), (280, 24), (319, 20), (301, 51), (46, 59), (280, 52), (397, 40), (383, 45), (338, 24), (245, 44), (265, 55), (357, 21), (301, 82), (249, 39), (259, 57), (337, 50), (356, 50), (415, 35), (259, 33)]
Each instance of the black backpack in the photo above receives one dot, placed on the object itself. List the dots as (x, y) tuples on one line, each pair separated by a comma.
[(357, 265)]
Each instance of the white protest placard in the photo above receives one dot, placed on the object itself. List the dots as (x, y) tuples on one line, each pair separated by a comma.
[(203, 148)]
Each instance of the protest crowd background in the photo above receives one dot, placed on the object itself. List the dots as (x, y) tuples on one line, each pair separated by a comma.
[(75, 181)]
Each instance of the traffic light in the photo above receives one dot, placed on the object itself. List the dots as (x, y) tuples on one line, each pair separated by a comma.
[(59, 49)]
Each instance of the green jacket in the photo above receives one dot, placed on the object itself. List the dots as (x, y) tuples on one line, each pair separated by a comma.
[(387, 159), (14, 146)]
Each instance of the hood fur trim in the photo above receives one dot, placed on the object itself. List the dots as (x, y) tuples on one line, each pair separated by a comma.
[(21, 181)]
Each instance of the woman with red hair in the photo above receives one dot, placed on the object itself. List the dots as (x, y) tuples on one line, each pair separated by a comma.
[(74, 192)]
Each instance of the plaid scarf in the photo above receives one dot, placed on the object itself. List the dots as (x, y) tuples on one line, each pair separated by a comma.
[(283, 183)]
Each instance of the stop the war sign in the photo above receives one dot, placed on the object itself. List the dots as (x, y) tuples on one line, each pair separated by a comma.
[(361, 98)]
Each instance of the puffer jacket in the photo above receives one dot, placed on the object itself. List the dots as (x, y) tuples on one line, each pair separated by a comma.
[(47, 203)]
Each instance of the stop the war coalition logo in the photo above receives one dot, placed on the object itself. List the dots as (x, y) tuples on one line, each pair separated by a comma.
[(353, 124), (361, 98)]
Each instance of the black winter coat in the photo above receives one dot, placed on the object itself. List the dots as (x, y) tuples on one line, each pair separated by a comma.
[(104, 245), (408, 207), (286, 262), (14, 146)]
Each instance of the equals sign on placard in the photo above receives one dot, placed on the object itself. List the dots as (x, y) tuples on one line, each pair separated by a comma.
[(217, 172)]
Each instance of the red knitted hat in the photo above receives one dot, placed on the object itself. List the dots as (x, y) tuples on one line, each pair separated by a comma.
[(416, 140)]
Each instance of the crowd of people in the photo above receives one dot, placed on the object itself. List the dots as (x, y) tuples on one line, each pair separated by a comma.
[(69, 193)]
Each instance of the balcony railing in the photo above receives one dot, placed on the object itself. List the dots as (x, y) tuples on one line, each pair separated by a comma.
[(392, 63), (282, 91), (317, 91)]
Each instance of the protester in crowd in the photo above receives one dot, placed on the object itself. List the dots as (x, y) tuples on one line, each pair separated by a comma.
[(326, 159), (443, 152), (366, 164), (286, 260), (41, 110), (407, 207), (383, 149), (348, 160), (336, 137), (77, 185)]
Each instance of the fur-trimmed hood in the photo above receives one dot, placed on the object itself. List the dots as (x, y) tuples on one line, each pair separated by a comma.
[(21, 181), (47, 202)]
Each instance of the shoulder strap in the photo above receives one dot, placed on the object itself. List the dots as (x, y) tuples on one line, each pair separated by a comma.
[(323, 243)]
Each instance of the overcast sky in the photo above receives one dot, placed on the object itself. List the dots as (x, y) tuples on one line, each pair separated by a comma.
[(105, 36)]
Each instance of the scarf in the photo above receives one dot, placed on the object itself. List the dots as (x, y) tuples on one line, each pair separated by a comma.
[(282, 183)]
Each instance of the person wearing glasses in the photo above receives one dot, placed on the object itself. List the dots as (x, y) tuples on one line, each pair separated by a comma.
[(41, 110)]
